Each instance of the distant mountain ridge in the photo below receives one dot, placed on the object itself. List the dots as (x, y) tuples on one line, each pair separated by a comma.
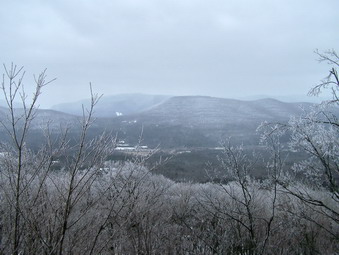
[(44, 117), (179, 121), (202, 121), (134, 104), (115, 105), (203, 110)]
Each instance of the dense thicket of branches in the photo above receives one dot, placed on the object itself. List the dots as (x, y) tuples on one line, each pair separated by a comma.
[(127, 210), (94, 206)]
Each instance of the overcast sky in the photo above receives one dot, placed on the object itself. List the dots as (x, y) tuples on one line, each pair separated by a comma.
[(219, 48)]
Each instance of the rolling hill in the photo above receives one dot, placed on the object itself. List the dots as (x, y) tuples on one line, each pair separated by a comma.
[(54, 119), (113, 106), (193, 125), (191, 121), (175, 122)]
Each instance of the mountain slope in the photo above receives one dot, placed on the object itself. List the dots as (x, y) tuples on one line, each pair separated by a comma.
[(211, 111), (204, 121), (55, 120), (186, 121), (116, 105)]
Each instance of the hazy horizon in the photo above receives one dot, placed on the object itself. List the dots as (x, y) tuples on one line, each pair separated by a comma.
[(284, 98), (229, 49)]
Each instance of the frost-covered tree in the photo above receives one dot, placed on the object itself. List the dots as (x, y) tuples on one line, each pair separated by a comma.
[(16, 167), (43, 210), (315, 136)]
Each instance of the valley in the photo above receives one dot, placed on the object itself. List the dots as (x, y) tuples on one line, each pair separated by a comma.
[(178, 137)]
